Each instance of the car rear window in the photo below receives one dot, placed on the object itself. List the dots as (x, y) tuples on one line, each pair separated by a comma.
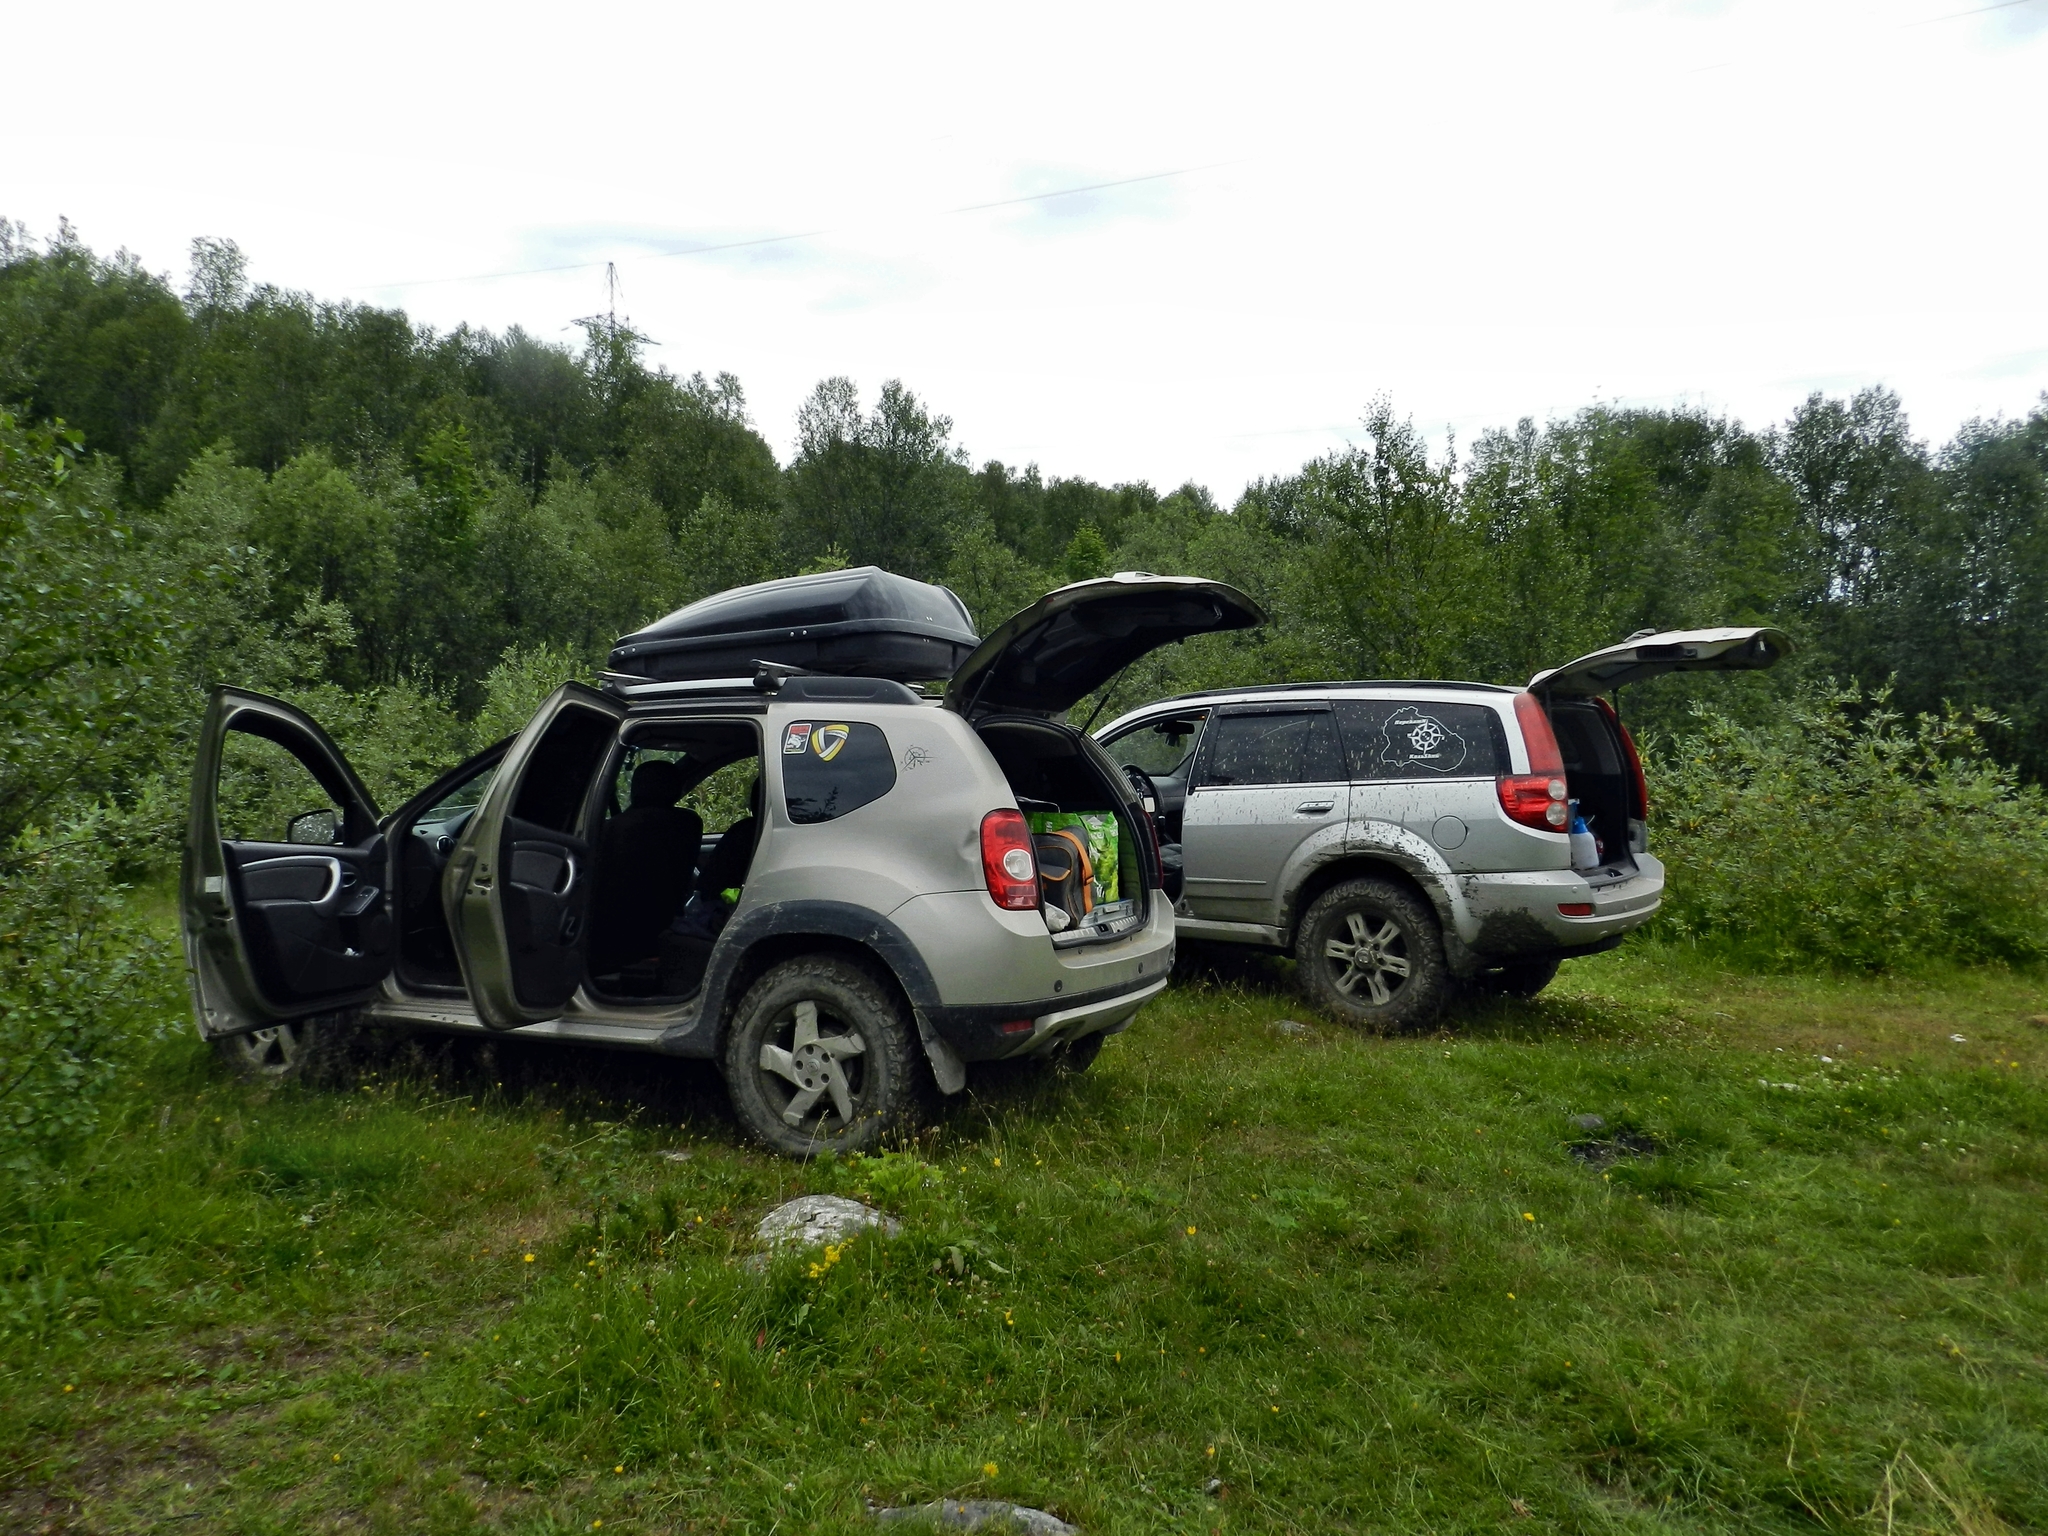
[(1274, 747), (1404, 739), (831, 767)]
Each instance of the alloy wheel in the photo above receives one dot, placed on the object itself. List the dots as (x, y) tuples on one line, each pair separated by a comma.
[(1372, 955), (821, 1061), (268, 1052)]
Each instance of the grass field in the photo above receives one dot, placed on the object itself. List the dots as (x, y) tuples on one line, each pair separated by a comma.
[(1233, 1279)]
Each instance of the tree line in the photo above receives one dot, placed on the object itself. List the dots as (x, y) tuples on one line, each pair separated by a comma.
[(446, 500)]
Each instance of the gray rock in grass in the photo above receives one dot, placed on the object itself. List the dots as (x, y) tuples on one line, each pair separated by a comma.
[(811, 1220), (1589, 1122), (979, 1515), (1293, 1028)]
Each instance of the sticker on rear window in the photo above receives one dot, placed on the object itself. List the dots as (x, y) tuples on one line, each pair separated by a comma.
[(830, 768), (1396, 739), (1422, 741)]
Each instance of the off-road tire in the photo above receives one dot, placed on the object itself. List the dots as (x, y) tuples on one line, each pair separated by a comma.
[(1524, 978), (883, 1079), (303, 1049), (1395, 923)]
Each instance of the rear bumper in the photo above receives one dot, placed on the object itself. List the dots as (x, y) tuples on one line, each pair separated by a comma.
[(999, 1032), (1508, 916)]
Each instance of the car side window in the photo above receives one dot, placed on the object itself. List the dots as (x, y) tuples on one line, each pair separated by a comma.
[(563, 765), (267, 794), (1161, 748), (1402, 739), (831, 767), (459, 801), (1279, 747)]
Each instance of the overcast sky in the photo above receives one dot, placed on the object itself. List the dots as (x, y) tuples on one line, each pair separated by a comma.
[(1483, 210)]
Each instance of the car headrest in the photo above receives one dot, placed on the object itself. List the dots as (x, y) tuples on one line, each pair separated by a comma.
[(658, 783)]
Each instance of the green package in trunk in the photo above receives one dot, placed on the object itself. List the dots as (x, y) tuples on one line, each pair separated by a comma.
[(1095, 828)]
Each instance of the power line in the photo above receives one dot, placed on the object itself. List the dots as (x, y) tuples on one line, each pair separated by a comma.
[(808, 234), (1904, 26), (585, 266), (2001, 5)]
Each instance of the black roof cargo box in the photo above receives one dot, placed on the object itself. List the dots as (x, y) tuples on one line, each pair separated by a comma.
[(866, 622)]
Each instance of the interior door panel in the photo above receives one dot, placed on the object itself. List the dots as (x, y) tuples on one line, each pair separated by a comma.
[(314, 923), (547, 908), (518, 882)]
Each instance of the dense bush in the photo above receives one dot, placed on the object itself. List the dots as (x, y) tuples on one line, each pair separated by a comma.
[(1846, 835), (86, 982), (91, 640)]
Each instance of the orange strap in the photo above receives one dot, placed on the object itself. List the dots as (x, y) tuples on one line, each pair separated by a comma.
[(1086, 868)]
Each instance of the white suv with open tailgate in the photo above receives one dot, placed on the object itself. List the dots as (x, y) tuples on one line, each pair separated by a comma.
[(1397, 835)]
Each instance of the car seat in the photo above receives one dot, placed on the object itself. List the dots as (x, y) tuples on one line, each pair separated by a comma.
[(727, 866), (645, 856)]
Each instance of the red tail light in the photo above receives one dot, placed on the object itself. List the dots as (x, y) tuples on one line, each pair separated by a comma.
[(1537, 735), (1536, 798), (1635, 762), (1007, 863)]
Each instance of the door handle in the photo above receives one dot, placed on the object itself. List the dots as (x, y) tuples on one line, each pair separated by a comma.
[(364, 898), (1315, 807)]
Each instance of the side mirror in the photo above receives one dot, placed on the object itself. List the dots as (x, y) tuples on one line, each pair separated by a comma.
[(322, 827)]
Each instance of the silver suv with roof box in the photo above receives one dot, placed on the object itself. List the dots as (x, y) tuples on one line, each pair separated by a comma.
[(757, 843), (1398, 836)]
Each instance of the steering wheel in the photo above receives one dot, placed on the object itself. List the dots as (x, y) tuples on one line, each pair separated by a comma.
[(1141, 781)]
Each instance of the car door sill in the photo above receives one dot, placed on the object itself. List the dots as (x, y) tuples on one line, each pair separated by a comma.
[(584, 1030)]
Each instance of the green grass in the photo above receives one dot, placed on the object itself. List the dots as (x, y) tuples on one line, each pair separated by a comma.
[(1367, 1284)]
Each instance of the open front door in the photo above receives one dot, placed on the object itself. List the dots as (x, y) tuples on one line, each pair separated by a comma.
[(517, 886), (281, 898)]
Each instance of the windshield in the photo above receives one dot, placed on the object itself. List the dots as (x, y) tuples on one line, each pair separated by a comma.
[(1160, 748)]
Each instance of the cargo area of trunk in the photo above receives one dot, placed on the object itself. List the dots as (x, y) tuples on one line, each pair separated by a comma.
[(1598, 777), (1054, 773)]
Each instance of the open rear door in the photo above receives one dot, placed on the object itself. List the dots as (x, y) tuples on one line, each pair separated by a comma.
[(517, 886), (1747, 649), (281, 898), (1072, 641)]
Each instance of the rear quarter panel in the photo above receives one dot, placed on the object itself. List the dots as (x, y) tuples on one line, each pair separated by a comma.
[(922, 836), (1459, 818)]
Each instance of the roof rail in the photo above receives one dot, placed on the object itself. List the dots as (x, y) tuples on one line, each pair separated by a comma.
[(771, 682), (1356, 682), (626, 686)]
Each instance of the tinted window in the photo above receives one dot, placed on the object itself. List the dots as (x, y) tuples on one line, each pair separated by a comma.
[(1391, 739), (1161, 749), (558, 775), (830, 768), (1292, 748)]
